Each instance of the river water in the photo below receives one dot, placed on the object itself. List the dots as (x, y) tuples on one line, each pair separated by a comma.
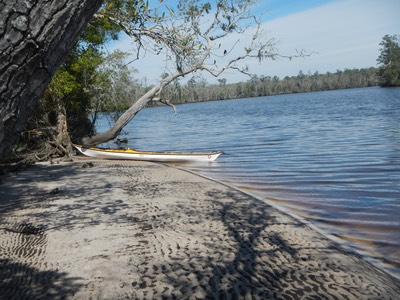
[(331, 158)]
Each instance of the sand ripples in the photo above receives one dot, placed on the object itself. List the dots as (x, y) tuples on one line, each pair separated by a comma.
[(146, 231)]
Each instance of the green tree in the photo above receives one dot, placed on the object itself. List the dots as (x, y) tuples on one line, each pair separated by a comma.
[(389, 59), (65, 105), (35, 37)]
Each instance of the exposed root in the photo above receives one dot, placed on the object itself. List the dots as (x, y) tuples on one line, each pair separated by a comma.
[(38, 147)]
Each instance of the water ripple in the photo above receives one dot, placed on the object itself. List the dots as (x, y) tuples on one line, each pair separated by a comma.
[(332, 158)]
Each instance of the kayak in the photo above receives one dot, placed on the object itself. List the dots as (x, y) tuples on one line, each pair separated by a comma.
[(133, 154)]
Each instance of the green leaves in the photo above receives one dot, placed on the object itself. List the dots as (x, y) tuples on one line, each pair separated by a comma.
[(63, 84), (389, 59)]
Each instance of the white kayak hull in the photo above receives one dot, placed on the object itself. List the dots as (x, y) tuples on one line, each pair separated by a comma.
[(131, 154)]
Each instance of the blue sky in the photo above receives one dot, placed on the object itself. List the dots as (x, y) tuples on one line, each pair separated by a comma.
[(279, 8), (341, 34), (344, 34)]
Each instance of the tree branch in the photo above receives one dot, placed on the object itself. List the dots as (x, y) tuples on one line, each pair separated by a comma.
[(191, 46)]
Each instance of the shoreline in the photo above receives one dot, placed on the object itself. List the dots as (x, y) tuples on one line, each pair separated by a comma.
[(363, 255), (138, 230)]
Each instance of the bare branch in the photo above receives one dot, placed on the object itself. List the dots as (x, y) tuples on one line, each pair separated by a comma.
[(168, 103), (190, 40)]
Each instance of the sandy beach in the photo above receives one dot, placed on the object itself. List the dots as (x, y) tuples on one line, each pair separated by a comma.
[(92, 229)]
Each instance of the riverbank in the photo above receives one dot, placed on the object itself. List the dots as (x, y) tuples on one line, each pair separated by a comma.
[(138, 230)]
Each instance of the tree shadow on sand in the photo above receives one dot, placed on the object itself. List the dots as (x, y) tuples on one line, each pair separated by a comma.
[(238, 247), (24, 274), (46, 209), (21, 281), (257, 258), (245, 221)]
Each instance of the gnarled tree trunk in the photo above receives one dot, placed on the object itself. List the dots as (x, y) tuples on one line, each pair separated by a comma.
[(35, 36)]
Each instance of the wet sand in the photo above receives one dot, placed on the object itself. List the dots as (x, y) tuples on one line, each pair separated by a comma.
[(135, 230)]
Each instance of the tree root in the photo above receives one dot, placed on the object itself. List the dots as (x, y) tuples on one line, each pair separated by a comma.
[(39, 152)]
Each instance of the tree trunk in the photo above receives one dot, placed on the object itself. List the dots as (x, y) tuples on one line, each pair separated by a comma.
[(63, 139), (35, 36), (126, 117), (129, 114)]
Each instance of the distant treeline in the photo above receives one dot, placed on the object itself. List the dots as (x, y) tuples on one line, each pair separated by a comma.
[(198, 90)]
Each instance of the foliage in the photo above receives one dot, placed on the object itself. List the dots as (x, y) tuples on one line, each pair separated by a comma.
[(64, 98), (67, 96), (197, 90), (389, 59), (74, 81), (113, 88)]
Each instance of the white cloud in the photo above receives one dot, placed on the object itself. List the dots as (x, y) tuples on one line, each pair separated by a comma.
[(344, 34)]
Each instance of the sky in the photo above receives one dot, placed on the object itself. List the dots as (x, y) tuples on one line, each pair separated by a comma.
[(340, 34)]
